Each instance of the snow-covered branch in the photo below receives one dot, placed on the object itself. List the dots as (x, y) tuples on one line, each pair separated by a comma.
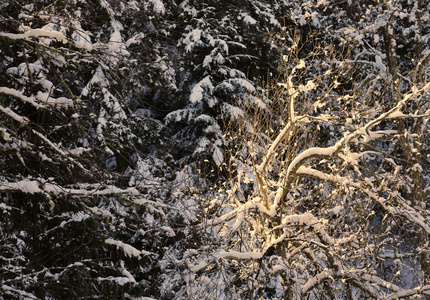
[(234, 255), (33, 186), (128, 250), (36, 33)]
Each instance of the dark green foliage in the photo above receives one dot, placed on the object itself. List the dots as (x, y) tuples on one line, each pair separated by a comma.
[(78, 190)]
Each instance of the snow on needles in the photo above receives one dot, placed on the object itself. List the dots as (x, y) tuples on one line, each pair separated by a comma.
[(128, 250), (36, 33), (199, 89)]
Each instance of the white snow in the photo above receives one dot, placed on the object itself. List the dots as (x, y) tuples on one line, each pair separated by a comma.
[(316, 280), (21, 293), (115, 41), (36, 33), (417, 168), (248, 19), (380, 64), (233, 111), (81, 38), (396, 114), (31, 185), (5, 207), (61, 102), (25, 186), (7, 111), (158, 6), (5, 135), (207, 61), (191, 38), (337, 209), (136, 39), (77, 217), (314, 152), (128, 250), (119, 280), (198, 90), (218, 156), (79, 151), (21, 96), (203, 144), (236, 255)]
